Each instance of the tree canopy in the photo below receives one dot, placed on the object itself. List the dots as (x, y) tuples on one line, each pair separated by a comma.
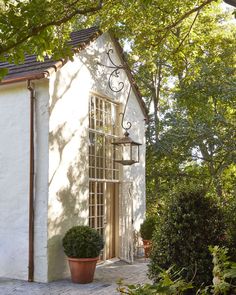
[(42, 27)]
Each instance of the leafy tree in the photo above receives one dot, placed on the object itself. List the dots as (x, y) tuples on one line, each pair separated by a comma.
[(201, 123), (25, 29), (192, 133), (39, 27)]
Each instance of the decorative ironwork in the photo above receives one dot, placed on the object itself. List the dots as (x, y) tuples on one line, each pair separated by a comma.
[(129, 149), (115, 73), (129, 125)]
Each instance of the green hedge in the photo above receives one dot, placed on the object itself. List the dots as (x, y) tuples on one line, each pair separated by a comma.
[(189, 223)]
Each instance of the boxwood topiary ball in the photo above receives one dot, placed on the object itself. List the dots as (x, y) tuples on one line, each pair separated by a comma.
[(82, 242), (147, 228)]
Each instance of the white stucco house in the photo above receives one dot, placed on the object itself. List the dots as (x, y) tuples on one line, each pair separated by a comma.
[(57, 122)]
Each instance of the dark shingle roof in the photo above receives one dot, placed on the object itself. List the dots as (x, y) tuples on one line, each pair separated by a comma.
[(31, 68)]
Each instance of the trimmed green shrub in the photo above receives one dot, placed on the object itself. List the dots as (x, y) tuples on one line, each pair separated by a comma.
[(147, 228), (82, 242), (189, 223)]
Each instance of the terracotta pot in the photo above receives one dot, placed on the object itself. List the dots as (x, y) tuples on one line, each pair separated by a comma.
[(82, 269), (147, 244)]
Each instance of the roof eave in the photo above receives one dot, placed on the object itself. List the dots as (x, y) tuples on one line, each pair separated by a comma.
[(37, 76), (46, 73), (129, 74)]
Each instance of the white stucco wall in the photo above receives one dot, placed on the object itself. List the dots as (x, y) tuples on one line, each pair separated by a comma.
[(68, 145), (61, 160), (134, 114), (68, 159), (136, 173), (41, 180), (14, 180)]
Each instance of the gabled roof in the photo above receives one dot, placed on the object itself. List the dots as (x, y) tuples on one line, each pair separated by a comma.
[(33, 69)]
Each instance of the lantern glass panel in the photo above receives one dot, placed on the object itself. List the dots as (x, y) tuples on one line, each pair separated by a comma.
[(126, 152), (135, 153)]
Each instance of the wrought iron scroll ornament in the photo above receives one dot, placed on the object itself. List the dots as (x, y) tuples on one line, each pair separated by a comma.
[(115, 72), (125, 140), (128, 124)]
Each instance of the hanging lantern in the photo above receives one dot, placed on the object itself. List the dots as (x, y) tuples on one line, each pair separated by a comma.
[(127, 150)]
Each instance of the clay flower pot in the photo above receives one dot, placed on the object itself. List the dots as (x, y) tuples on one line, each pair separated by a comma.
[(82, 246), (147, 229), (147, 244), (82, 269)]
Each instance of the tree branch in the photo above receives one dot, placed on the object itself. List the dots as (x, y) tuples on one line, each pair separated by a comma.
[(168, 28), (184, 16), (182, 41), (36, 30)]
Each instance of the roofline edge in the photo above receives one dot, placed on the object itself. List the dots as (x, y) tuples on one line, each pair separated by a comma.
[(127, 69), (46, 73), (37, 76)]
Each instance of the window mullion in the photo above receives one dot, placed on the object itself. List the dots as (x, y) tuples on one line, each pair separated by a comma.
[(104, 130)]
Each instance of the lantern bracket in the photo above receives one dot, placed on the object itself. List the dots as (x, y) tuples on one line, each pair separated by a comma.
[(125, 140), (128, 124), (115, 73)]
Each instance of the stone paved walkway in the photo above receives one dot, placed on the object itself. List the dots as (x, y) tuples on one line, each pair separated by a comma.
[(103, 284)]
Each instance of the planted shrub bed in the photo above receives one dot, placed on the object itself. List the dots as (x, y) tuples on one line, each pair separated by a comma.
[(189, 224)]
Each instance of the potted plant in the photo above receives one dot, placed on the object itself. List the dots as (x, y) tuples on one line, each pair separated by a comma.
[(82, 245), (146, 231)]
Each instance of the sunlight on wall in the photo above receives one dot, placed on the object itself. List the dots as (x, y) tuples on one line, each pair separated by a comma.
[(68, 153), (14, 181), (68, 146)]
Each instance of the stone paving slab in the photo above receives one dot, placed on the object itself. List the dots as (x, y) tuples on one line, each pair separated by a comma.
[(104, 282)]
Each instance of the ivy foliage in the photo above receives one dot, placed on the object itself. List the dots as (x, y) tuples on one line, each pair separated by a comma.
[(170, 282)]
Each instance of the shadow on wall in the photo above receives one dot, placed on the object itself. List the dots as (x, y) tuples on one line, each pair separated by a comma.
[(72, 214), (100, 75), (136, 178), (56, 95), (69, 181), (57, 140), (68, 184), (94, 58)]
